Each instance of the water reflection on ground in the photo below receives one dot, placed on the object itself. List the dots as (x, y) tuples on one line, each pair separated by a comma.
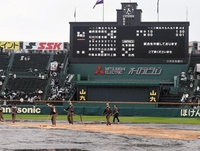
[(13, 138), (49, 150)]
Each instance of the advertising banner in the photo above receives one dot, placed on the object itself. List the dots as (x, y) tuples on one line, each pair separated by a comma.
[(43, 45), (198, 46), (10, 45)]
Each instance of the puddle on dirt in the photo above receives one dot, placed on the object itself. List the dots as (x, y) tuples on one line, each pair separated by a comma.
[(49, 150)]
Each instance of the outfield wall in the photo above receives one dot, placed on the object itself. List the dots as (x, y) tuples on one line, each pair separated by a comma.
[(146, 110)]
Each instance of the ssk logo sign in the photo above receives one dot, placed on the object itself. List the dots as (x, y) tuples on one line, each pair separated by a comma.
[(50, 46), (43, 45)]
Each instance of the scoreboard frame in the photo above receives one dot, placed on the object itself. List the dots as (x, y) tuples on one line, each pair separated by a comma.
[(168, 43)]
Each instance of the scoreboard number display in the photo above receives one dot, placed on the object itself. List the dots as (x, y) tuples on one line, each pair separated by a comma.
[(161, 43)]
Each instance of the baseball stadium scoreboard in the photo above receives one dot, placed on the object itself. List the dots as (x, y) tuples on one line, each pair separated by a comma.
[(156, 42), (104, 53)]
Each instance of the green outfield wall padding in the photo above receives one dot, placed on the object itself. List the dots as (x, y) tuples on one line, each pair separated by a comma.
[(159, 112), (79, 110), (98, 110), (126, 111), (103, 104), (92, 111)]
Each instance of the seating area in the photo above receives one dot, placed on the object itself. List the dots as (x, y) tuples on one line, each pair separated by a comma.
[(4, 61), (59, 90), (4, 66), (59, 58), (27, 85), (29, 76), (26, 61), (25, 89)]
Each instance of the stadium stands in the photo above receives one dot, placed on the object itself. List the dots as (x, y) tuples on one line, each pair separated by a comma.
[(28, 77), (25, 62)]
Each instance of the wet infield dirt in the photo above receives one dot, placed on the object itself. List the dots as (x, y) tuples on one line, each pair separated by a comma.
[(41, 136)]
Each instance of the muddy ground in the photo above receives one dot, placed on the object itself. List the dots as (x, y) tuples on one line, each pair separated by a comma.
[(40, 135)]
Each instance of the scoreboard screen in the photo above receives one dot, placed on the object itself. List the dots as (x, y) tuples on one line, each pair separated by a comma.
[(129, 44)]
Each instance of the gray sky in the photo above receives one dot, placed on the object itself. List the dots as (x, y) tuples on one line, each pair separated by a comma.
[(48, 20)]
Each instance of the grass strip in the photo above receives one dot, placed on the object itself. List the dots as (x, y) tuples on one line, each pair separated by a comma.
[(123, 119)]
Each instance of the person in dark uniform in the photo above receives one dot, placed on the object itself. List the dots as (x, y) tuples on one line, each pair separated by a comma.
[(115, 114), (14, 112), (53, 114), (1, 114), (107, 111), (70, 110)]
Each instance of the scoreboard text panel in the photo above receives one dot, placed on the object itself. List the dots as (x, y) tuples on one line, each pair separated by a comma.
[(131, 44)]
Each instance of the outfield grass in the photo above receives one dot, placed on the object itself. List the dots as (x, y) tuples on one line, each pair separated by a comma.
[(123, 119)]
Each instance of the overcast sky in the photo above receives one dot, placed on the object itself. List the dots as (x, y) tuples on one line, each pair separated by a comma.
[(48, 20)]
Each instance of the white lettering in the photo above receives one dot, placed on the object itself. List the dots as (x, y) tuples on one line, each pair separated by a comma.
[(189, 113), (145, 70), (114, 70), (37, 110), (23, 110)]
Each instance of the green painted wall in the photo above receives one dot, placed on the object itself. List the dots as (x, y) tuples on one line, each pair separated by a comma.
[(150, 110), (167, 74)]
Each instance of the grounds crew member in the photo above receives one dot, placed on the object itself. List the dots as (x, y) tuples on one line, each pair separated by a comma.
[(70, 110), (115, 114), (1, 114), (14, 112), (53, 114), (107, 111)]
